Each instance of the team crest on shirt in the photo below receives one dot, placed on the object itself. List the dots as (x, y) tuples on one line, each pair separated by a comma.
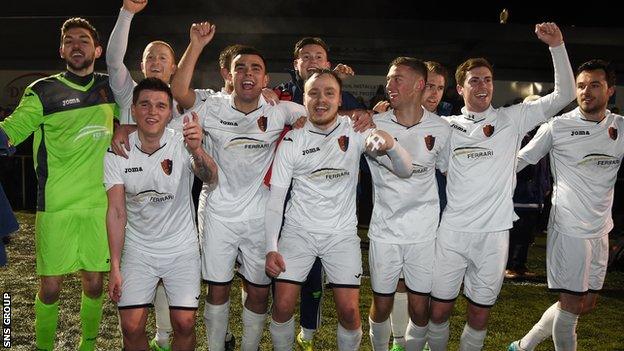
[(429, 142), (343, 142), (262, 123), (613, 133), (488, 130), (167, 166)]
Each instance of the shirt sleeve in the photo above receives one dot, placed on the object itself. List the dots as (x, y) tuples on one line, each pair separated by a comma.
[(292, 111), (120, 80), (538, 111), (26, 118), (283, 166), (443, 156), (112, 170), (538, 147)]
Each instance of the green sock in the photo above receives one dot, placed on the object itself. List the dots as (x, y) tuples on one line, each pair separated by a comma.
[(90, 317), (46, 319)]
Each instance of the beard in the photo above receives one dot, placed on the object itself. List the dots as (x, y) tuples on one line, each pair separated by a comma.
[(86, 63)]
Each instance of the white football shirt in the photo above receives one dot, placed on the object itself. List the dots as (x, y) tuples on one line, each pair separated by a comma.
[(406, 210), (160, 212), (585, 157)]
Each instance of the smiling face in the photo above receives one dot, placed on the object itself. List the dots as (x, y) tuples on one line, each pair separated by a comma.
[(404, 86), (322, 99), (311, 57), (593, 92), (434, 89), (79, 50), (152, 112), (248, 76), (158, 61), (477, 89)]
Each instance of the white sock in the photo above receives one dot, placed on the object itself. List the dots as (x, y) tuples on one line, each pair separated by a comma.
[(253, 325), (416, 336), (541, 330), (282, 334), (564, 330), (307, 334), (216, 321), (438, 336), (163, 320), (471, 339), (349, 340), (379, 334), (399, 318)]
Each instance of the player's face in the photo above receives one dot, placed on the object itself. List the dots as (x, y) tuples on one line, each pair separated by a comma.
[(592, 91), (158, 62), (322, 99), (477, 89), (404, 86), (434, 89), (79, 51), (152, 112), (311, 56), (248, 76)]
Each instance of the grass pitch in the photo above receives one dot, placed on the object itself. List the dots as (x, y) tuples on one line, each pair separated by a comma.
[(520, 305)]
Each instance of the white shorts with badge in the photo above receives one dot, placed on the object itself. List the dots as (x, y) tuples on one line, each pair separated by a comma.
[(391, 262), (477, 259), (340, 255), (141, 272), (576, 265), (224, 242)]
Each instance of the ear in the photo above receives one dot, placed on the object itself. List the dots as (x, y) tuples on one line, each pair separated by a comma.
[(611, 91), (460, 90), (98, 51), (225, 74), (420, 84), (61, 51), (266, 81), (295, 64), (132, 112)]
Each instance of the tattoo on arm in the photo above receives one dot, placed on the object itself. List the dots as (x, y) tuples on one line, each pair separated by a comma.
[(204, 168)]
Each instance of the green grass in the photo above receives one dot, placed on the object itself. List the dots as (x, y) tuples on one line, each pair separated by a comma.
[(520, 305)]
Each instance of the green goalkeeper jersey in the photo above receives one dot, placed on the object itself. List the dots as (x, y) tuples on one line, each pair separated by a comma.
[(72, 118)]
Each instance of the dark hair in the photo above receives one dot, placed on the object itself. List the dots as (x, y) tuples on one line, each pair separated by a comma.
[(437, 68), (246, 50), (415, 64), (226, 55), (154, 84), (309, 41), (77, 22), (462, 70), (596, 64), (317, 72)]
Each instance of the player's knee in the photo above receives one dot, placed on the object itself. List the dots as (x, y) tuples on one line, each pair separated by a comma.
[(131, 329), (283, 308), (217, 295), (184, 324), (49, 292), (93, 290), (419, 314), (349, 316)]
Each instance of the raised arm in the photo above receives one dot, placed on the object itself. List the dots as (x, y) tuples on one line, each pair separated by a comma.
[(116, 228), (120, 79), (564, 90), (204, 166), (200, 34)]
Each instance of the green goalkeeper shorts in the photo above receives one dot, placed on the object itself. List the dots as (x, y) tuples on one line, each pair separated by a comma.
[(72, 240)]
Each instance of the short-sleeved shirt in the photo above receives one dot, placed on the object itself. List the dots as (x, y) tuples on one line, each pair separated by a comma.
[(243, 147), (160, 212)]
